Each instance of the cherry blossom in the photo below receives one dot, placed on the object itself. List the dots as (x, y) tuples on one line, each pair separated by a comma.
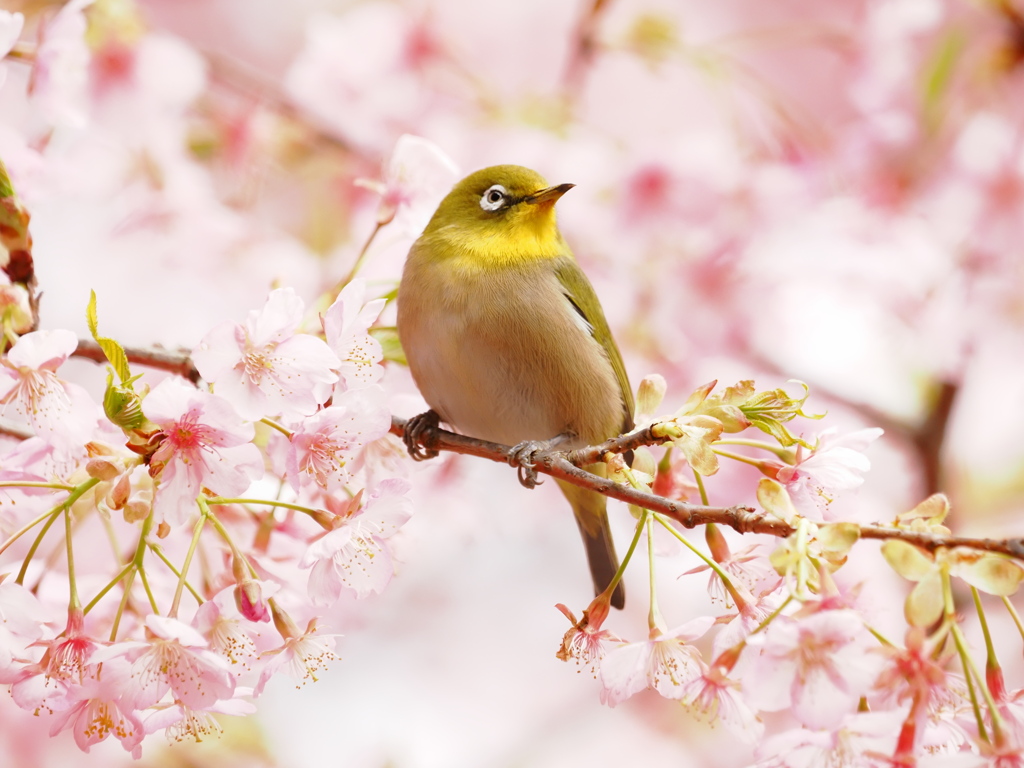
[(323, 447), (62, 413), (666, 663), (176, 659), (98, 709), (418, 175), (302, 656), (204, 445), (266, 368), (819, 667), (345, 326), (60, 74), (356, 553), (861, 739), (836, 465)]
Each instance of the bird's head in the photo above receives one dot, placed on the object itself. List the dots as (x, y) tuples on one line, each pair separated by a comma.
[(504, 213)]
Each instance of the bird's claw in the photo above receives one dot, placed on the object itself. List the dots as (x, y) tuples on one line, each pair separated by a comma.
[(523, 458), (420, 436)]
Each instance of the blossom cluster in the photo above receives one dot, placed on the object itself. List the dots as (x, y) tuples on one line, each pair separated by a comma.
[(197, 534)]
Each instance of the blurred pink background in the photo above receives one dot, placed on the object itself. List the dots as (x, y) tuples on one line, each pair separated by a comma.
[(829, 192)]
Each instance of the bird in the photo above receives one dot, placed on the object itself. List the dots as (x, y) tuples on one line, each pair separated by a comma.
[(506, 339)]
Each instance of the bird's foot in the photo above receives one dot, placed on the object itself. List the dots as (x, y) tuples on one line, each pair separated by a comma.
[(523, 458), (421, 435)]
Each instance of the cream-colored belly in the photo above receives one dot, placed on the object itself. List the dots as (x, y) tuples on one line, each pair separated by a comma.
[(504, 356)]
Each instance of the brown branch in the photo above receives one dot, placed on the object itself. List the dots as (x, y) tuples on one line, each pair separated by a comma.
[(179, 362), (562, 465)]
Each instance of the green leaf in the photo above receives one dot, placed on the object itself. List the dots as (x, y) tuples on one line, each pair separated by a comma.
[(991, 573), (774, 499), (114, 352), (908, 561), (924, 604), (6, 188)]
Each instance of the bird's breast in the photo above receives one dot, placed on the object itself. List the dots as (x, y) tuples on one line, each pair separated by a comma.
[(502, 354)]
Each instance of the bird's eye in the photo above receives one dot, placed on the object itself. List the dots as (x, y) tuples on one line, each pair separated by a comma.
[(494, 198)]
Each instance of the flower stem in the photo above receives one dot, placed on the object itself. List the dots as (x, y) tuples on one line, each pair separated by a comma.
[(197, 530), (991, 661), (785, 454), (74, 604), (132, 568), (710, 562), (740, 458), (274, 425), (75, 495), (157, 550), (26, 484), (654, 617), (1014, 615), (970, 670), (700, 487), (628, 556), (110, 585), (217, 501), (359, 260)]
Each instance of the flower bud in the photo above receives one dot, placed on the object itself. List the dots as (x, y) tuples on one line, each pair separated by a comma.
[(136, 510), (119, 494), (650, 394), (102, 468), (249, 600)]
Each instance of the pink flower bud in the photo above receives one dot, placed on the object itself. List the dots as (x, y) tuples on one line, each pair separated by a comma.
[(119, 494), (250, 602)]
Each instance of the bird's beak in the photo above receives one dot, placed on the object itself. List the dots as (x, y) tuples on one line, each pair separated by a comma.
[(548, 195)]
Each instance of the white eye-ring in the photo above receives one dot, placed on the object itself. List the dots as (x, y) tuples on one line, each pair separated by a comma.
[(494, 198)]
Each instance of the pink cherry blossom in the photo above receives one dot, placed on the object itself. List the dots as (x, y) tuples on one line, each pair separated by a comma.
[(22, 620), (718, 698), (98, 708), (176, 659), (265, 367), (345, 326), (324, 446), (585, 642), (665, 662), (60, 412), (205, 445), (60, 75), (859, 740), (418, 175), (836, 465), (818, 666), (302, 656), (356, 554), (226, 634)]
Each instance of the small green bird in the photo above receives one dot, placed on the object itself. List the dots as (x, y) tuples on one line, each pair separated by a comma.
[(506, 339)]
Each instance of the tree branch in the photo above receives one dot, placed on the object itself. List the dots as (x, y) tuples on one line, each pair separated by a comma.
[(179, 362), (562, 465)]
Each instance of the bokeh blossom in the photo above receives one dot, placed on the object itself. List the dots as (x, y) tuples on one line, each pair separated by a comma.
[(765, 192)]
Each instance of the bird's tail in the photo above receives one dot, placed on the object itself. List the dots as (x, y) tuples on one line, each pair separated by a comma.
[(591, 513)]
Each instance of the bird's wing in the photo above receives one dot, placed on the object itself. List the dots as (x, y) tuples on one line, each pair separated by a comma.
[(580, 293)]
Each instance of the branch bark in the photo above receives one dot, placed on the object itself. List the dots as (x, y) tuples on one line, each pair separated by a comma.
[(562, 465)]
